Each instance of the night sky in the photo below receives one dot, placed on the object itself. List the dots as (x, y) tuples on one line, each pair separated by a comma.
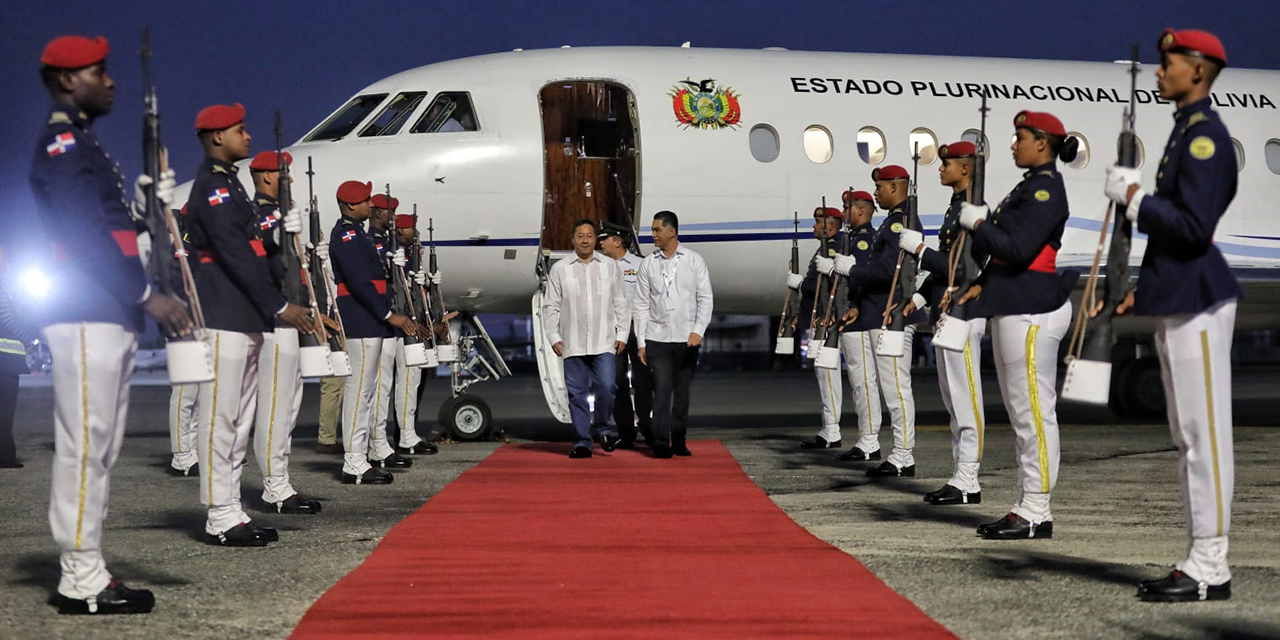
[(307, 58)]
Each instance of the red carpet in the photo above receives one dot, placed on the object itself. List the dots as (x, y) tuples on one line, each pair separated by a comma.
[(531, 544)]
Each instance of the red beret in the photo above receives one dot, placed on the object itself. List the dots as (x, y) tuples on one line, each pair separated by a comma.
[(354, 192), (827, 212), (962, 149), (1193, 42), (853, 196), (890, 172), (1040, 121), (404, 221), (379, 200), (74, 52), (268, 161), (219, 116)]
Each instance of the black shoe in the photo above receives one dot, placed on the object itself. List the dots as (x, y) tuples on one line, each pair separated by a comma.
[(1180, 587), (681, 451), (854, 454), (1015, 527), (330, 448), (818, 442), (951, 495), (193, 470), (982, 528), (608, 442), (241, 535), (116, 598), (580, 452), (267, 533), (420, 449), (629, 445), (297, 504), (392, 461), (11, 464), (890, 470), (370, 476), (660, 451)]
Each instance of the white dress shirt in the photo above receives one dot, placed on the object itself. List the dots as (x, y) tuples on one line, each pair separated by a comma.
[(584, 306), (673, 297)]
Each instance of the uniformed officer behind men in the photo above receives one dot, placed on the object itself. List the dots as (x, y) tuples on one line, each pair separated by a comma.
[(826, 224), (632, 374), (959, 372), (1186, 284), (855, 331), (368, 320), (381, 453), (92, 320), (234, 271), (409, 379), (875, 276), (1029, 306), (279, 364)]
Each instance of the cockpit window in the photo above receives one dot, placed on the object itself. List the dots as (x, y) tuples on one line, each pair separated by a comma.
[(346, 119), (394, 115), (450, 111)]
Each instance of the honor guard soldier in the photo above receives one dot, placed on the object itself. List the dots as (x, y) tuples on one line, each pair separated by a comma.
[(234, 271), (381, 453), (855, 331), (632, 374), (959, 372), (368, 320), (875, 277), (1187, 286), (1029, 306), (409, 379), (92, 319), (279, 364), (826, 224)]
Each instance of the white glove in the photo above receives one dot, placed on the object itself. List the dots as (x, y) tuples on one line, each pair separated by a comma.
[(397, 258), (845, 264), (293, 220), (918, 300), (794, 280), (420, 277), (911, 241), (435, 278), (824, 264), (163, 189), (970, 214), (322, 251), (1119, 179)]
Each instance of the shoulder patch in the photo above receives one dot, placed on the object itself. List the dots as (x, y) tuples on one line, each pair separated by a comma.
[(1202, 147), (1042, 195), (349, 236), (218, 196), (61, 143), (896, 227), (863, 246)]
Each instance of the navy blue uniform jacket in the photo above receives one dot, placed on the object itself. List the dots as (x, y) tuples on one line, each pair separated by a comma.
[(234, 277), (1182, 271), (874, 275), (361, 279), (809, 288), (935, 261), (862, 240), (79, 196)]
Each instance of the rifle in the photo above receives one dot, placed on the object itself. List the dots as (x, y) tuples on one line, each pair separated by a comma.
[(817, 332), (402, 301), (893, 337), (445, 349), (1088, 378), (837, 296), (422, 306), (322, 280), (189, 358), (791, 303), (953, 336)]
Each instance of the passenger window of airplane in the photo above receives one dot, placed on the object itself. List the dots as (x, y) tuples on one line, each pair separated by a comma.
[(1082, 158), (345, 119), (817, 143), (450, 111), (923, 141), (871, 145), (972, 135), (1239, 154), (1272, 152), (764, 143), (394, 115), (1142, 151)]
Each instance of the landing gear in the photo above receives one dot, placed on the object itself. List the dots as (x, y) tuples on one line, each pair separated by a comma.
[(1136, 388), (467, 417)]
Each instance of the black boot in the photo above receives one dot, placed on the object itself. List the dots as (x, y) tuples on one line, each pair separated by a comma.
[(1015, 527), (854, 454), (116, 598), (1180, 587)]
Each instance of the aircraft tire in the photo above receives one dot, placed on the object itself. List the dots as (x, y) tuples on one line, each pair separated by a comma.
[(1143, 388), (467, 417)]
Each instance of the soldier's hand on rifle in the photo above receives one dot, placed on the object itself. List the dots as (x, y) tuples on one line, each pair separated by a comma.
[(403, 323), (398, 258), (917, 302), (971, 294), (911, 241), (163, 189), (420, 277), (824, 265), (321, 250), (298, 317), (330, 323), (1121, 309), (972, 214), (1121, 181), (794, 280), (293, 220), (435, 278), (170, 313), (845, 264)]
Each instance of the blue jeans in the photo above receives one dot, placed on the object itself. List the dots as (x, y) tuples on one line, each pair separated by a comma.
[(582, 376)]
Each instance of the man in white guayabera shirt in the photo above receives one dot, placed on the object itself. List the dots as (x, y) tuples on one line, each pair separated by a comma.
[(587, 321), (673, 309)]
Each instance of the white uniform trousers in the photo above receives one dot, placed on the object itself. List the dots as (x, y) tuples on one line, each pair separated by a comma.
[(895, 386), (358, 402), (1026, 352), (831, 388), (92, 362), (279, 400), (859, 355), (960, 379), (226, 406), (1195, 364), (379, 445), (182, 426), (407, 381)]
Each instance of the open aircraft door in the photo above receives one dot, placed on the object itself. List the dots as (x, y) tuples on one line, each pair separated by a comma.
[(550, 367)]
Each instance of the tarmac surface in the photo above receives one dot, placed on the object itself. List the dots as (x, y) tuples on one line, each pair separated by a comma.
[(1117, 510)]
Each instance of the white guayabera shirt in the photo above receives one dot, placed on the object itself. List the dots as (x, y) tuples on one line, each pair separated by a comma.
[(584, 306), (673, 297)]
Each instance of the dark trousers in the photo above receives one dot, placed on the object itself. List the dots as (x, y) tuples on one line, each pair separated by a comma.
[(582, 376), (626, 415), (672, 364), (8, 406)]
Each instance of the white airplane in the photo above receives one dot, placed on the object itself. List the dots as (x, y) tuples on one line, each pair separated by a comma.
[(506, 150)]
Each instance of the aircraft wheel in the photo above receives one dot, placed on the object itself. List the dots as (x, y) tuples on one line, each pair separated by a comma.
[(1118, 401), (1143, 388), (467, 417)]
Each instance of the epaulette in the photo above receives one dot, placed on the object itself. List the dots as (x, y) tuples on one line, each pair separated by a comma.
[(219, 169), (58, 117), (1196, 118), (1048, 172), (346, 221)]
